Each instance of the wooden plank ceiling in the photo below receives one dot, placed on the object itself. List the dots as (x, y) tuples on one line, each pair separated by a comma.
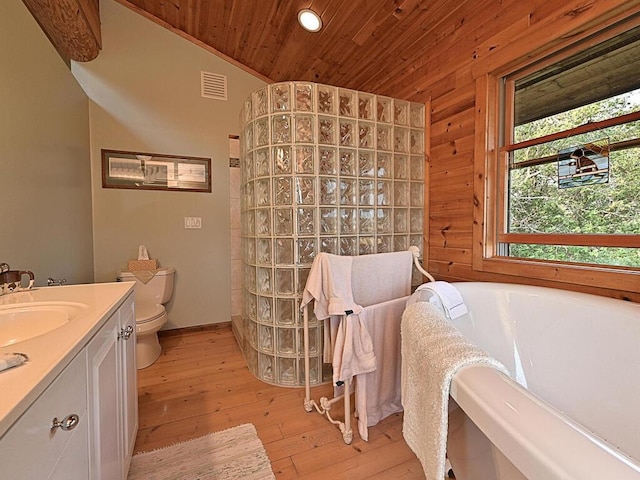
[(364, 44)]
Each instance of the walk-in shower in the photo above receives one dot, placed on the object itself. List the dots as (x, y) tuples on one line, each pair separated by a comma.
[(324, 169)]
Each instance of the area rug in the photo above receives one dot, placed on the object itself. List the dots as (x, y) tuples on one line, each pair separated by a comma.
[(236, 453)]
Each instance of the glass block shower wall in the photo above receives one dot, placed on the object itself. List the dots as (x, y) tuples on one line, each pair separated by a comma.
[(324, 169)]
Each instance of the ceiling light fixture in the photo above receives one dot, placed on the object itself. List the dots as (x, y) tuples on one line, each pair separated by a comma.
[(309, 20)]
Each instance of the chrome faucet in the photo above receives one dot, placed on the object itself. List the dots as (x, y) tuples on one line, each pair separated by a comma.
[(56, 282)]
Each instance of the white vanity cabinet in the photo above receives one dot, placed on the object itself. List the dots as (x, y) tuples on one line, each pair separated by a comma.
[(93, 400), (113, 396)]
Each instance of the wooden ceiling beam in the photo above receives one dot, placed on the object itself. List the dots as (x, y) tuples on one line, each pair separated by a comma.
[(72, 26)]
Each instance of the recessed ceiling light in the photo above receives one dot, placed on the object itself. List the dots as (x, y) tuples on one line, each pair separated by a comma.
[(309, 20)]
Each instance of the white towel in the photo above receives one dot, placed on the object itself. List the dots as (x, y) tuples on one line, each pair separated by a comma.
[(449, 296), (329, 284), (432, 351)]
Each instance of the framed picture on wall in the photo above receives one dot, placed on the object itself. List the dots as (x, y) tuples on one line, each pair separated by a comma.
[(153, 171)]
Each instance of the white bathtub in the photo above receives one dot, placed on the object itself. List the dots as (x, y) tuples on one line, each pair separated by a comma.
[(572, 408)]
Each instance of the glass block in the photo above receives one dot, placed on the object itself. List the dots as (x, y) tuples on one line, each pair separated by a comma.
[(348, 191), (248, 196), (263, 223), (266, 367), (400, 220), (303, 274), (328, 190), (263, 192), (249, 250), (264, 309), (347, 162), (305, 190), (348, 246), (250, 278), (384, 244), (260, 102), (249, 224), (384, 165), (328, 160), (314, 341), (262, 162), (383, 192), (417, 199), (401, 194), (306, 221), (315, 371), (280, 97), (284, 251), (253, 333), (328, 221), (287, 371), (347, 103), (366, 220), (305, 160), (261, 131), (326, 99), (348, 221), (251, 307), (383, 113), (366, 164), (365, 106), (285, 308), (326, 130), (347, 133), (306, 250), (384, 223), (248, 136), (416, 114), (366, 245), (304, 129), (329, 245), (281, 160), (283, 221), (400, 243), (264, 280), (365, 135), (252, 359), (400, 140), (415, 220), (384, 137), (303, 97), (417, 168), (249, 166), (247, 110), (366, 194), (263, 256), (282, 191), (401, 167), (400, 112), (416, 241), (286, 341), (281, 129), (416, 141)]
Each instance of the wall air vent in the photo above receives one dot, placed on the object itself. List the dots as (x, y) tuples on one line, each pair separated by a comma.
[(214, 85)]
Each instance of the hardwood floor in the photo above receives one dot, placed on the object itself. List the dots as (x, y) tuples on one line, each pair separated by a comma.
[(201, 384)]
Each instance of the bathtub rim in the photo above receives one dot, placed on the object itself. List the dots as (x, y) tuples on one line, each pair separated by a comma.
[(532, 434)]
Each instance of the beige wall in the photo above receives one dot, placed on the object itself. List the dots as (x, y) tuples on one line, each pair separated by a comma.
[(45, 213), (145, 97)]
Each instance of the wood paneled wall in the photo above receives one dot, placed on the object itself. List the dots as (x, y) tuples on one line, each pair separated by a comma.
[(486, 34)]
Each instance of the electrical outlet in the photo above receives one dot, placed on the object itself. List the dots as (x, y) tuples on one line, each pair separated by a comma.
[(192, 222)]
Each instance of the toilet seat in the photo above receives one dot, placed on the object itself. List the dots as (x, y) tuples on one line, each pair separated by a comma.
[(148, 312)]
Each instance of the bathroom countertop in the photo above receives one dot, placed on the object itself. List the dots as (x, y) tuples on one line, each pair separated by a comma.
[(51, 352)]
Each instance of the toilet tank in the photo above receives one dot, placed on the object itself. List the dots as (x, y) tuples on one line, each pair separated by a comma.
[(157, 290)]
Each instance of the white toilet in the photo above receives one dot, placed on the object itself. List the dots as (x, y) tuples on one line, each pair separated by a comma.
[(150, 313)]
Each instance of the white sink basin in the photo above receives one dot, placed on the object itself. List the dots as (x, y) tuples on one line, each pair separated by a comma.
[(24, 321)]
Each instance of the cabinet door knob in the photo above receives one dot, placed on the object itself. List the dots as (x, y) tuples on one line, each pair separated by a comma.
[(125, 333), (68, 423)]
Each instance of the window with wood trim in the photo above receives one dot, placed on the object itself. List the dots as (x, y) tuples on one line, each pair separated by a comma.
[(562, 199)]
